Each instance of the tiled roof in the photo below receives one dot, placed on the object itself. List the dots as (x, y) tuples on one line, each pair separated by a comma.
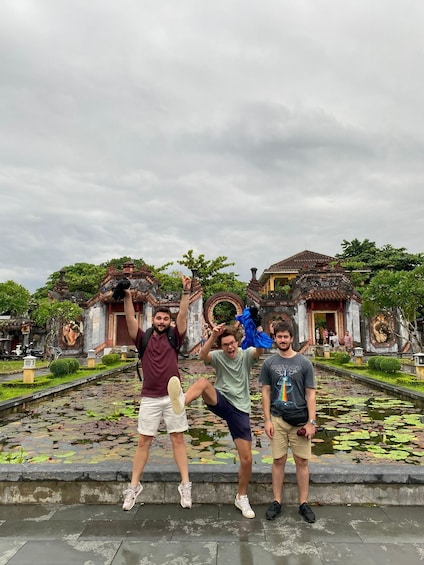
[(325, 294), (303, 260)]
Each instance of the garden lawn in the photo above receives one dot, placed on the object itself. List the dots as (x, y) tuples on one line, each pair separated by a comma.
[(15, 388), (398, 378)]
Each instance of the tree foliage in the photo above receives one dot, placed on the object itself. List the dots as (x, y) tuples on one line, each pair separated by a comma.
[(168, 281), (47, 311), (119, 263), (81, 278), (364, 259), (14, 299), (211, 274)]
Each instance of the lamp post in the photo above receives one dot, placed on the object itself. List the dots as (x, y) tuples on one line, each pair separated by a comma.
[(419, 365), (29, 369), (91, 358), (124, 351), (359, 353)]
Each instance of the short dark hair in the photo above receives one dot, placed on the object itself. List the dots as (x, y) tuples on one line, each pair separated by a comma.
[(283, 327), (228, 331), (163, 309)]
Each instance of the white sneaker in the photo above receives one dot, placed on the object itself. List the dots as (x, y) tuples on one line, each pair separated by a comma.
[(176, 395), (242, 503), (185, 492), (130, 495)]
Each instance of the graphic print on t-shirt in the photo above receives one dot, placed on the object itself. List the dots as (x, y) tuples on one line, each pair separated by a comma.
[(284, 387)]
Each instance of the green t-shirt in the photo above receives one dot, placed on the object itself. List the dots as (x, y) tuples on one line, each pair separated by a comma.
[(233, 376)]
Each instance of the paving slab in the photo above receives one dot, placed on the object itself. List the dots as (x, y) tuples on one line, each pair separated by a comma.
[(216, 534)]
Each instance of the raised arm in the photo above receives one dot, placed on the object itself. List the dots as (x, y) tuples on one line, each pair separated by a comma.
[(204, 354), (132, 323), (181, 321)]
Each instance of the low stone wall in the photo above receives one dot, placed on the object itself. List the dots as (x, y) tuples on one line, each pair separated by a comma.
[(104, 483)]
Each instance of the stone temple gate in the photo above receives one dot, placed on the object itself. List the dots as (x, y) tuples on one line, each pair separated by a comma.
[(310, 290)]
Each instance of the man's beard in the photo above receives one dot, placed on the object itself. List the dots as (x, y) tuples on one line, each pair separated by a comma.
[(160, 332)]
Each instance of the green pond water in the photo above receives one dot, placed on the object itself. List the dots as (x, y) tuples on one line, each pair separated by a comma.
[(98, 423)]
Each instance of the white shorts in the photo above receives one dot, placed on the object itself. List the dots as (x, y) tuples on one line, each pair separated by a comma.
[(151, 412)]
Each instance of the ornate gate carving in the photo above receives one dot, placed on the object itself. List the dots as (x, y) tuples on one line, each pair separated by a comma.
[(210, 304)]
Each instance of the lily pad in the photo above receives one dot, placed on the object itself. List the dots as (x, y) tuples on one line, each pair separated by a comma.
[(223, 455), (342, 447)]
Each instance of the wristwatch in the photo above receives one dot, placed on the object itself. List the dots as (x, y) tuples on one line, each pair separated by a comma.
[(313, 422)]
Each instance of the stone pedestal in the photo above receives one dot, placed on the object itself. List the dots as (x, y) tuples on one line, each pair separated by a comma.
[(28, 377)]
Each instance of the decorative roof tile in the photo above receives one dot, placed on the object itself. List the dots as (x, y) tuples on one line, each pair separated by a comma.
[(303, 260), (325, 294)]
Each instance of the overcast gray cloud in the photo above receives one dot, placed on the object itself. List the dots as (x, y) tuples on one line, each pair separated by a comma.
[(248, 129)]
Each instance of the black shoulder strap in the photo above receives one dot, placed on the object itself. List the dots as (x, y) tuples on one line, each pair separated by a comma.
[(172, 337), (145, 340)]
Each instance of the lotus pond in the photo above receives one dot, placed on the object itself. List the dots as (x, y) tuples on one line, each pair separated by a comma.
[(98, 423)]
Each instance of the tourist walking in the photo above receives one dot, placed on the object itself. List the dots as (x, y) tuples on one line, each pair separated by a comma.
[(288, 400), (228, 398), (348, 343), (159, 363)]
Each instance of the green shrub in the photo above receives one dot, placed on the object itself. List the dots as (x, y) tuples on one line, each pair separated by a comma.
[(372, 363), (341, 357), (59, 368), (74, 365), (390, 365), (375, 363), (62, 367), (111, 358)]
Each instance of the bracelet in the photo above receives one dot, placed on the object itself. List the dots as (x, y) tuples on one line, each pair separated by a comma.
[(186, 292), (268, 420)]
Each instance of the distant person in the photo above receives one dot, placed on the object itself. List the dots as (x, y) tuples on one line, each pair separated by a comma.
[(325, 334), (228, 398), (348, 343), (159, 363), (288, 401), (334, 341)]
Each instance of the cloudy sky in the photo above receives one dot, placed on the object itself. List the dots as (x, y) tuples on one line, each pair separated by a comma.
[(248, 129)]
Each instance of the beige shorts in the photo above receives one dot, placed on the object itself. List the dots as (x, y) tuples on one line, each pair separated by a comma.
[(285, 436), (153, 410)]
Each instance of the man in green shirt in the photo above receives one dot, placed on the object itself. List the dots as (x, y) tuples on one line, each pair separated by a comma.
[(228, 398)]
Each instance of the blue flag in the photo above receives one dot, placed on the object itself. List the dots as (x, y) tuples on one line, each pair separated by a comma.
[(252, 337)]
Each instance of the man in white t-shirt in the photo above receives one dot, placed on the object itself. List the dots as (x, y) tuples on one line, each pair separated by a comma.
[(228, 398)]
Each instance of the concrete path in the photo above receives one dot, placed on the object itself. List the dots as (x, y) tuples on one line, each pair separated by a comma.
[(208, 535)]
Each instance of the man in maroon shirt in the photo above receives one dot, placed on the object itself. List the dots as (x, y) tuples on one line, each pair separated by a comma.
[(159, 363)]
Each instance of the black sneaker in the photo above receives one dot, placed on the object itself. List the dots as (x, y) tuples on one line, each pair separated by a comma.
[(273, 510), (306, 512)]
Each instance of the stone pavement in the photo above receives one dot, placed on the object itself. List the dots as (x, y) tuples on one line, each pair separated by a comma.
[(208, 534), (72, 514)]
